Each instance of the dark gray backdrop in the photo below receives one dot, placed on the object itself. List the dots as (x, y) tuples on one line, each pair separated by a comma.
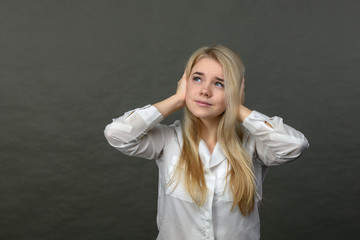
[(68, 67)]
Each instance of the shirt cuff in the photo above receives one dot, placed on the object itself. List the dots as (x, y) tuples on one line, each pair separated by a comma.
[(255, 121)]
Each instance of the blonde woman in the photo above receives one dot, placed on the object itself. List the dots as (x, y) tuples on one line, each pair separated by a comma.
[(213, 163)]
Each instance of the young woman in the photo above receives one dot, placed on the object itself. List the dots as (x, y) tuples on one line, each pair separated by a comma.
[(213, 163)]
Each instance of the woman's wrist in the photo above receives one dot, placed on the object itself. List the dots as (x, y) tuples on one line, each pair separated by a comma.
[(170, 105), (243, 113), (177, 102)]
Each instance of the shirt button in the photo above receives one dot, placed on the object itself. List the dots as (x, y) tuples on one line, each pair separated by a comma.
[(256, 116)]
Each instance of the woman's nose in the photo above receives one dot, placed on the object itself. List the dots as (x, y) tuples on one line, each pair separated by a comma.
[(205, 90)]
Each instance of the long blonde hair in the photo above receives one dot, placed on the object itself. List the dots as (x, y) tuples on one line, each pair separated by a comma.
[(229, 135)]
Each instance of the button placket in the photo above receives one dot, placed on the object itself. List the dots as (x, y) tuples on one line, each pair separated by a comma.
[(207, 208)]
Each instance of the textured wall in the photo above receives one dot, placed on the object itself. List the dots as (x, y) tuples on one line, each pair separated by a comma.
[(68, 67)]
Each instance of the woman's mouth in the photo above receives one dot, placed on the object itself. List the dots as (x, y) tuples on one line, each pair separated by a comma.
[(203, 104)]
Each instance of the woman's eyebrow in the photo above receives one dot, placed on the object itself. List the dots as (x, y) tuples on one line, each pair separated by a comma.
[(199, 73), (202, 74)]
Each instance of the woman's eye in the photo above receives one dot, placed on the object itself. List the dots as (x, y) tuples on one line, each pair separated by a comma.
[(219, 84), (196, 79)]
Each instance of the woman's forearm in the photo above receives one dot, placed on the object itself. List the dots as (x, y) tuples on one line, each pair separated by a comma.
[(169, 105), (243, 113), (175, 102)]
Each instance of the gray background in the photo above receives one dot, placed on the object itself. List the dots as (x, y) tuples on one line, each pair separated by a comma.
[(68, 67)]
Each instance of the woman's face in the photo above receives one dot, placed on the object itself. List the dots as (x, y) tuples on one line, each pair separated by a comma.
[(205, 93)]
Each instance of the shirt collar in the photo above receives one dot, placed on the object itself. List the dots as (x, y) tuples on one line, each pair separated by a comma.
[(209, 160)]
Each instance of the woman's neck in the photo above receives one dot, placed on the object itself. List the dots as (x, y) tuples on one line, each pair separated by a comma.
[(208, 132)]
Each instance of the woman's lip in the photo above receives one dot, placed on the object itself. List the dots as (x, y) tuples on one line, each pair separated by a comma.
[(203, 104)]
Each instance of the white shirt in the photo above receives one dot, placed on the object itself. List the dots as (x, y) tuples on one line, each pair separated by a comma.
[(139, 133)]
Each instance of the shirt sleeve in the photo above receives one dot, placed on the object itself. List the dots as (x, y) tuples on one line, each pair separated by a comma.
[(137, 133), (274, 145)]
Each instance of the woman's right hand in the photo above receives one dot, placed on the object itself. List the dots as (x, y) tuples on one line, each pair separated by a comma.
[(181, 89), (176, 101)]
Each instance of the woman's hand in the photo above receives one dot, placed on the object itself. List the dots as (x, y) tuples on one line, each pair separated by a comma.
[(176, 101), (181, 89), (242, 91), (243, 111)]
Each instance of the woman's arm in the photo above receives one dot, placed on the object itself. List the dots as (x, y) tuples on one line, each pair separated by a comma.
[(244, 112), (274, 145), (175, 102), (137, 132), (275, 142)]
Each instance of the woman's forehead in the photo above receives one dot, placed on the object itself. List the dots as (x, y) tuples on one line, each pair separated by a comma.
[(208, 66)]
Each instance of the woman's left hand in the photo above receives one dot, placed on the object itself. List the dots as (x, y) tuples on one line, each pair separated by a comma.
[(243, 111), (242, 91)]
